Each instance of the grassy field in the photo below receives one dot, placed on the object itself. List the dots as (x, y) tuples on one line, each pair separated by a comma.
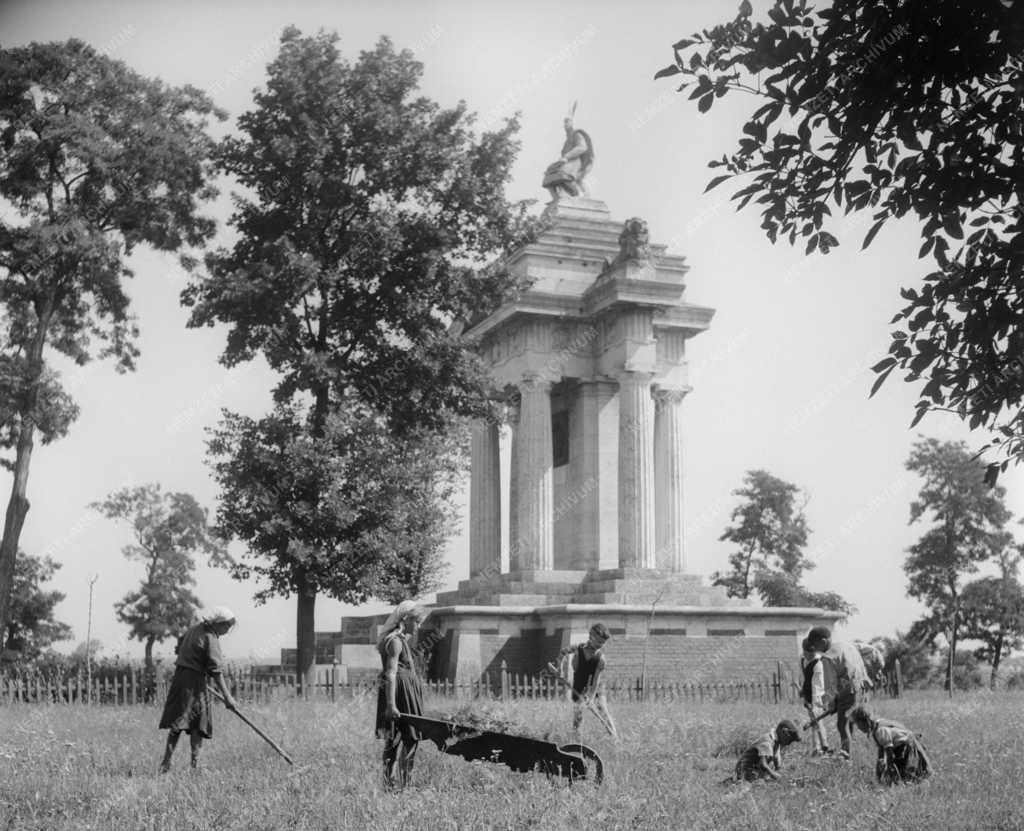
[(70, 767)]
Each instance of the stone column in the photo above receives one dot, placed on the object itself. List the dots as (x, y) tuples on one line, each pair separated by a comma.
[(485, 501), (597, 474), (668, 478), (636, 471), (534, 462), (514, 543)]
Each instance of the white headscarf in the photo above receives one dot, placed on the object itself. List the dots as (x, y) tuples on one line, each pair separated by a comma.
[(402, 611), (219, 614)]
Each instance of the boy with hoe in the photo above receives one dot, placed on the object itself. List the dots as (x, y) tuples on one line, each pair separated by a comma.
[(588, 666)]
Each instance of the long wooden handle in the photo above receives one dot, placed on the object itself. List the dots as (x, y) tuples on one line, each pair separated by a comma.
[(257, 730), (589, 703), (816, 719)]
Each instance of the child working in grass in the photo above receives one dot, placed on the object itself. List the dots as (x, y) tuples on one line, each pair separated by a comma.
[(901, 756), (763, 759), (588, 665), (812, 692)]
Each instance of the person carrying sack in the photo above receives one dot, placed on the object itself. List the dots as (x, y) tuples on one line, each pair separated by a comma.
[(845, 680)]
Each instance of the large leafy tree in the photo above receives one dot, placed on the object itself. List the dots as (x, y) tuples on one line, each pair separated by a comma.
[(169, 530), (359, 511), (898, 108), (32, 626), (370, 213), (993, 610), (95, 160), (966, 526), (770, 531)]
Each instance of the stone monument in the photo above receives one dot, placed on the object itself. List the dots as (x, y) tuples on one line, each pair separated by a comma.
[(590, 361)]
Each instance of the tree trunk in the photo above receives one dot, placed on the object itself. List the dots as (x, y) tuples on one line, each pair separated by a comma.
[(952, 645), (746, 575), (149, 684), (305, 627), (17, 507), (305, 630), (996, 657)]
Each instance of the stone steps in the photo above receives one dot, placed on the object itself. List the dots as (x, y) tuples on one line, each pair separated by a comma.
[(527, 600), (639, 585), (642, 587), (649, 598)]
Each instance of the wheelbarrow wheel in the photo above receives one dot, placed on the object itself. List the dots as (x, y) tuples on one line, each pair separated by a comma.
[(591, 761)]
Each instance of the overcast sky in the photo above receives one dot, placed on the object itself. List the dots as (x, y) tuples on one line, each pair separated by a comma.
[(780, 380)]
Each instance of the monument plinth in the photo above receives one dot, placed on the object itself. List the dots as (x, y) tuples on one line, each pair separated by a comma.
[(576, 498)]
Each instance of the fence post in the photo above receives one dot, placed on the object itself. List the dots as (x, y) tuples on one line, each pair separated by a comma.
[(898, 673), (503, 675)]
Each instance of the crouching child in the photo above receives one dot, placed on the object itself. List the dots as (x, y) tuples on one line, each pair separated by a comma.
[(901, 756), (763, 759)]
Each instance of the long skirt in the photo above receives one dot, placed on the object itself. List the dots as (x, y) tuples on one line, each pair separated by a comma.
[(188, 706), (910, 763), (408, 700)]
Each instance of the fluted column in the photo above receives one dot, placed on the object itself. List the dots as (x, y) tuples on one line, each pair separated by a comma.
[(597, 474), (484, 501), (668, 478), (636, 471), (534, 476), (514, 543)]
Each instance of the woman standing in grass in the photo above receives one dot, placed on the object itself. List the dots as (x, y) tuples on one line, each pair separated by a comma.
[(188, 707), (399, 692)]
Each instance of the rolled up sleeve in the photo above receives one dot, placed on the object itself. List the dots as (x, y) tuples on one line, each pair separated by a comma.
[(214, 657)]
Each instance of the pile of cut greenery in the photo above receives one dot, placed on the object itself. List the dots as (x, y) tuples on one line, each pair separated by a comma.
[(483, 718)]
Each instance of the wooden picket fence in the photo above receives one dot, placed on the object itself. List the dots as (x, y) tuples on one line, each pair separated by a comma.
[(130, 688)]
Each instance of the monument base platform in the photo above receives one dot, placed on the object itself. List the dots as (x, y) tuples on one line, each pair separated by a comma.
[(686, 643), (616, 585)]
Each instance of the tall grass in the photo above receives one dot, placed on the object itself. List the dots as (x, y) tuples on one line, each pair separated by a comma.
[(95, 768)]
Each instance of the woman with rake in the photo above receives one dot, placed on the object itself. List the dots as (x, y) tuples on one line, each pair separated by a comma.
[(399, 692), (188, 707)]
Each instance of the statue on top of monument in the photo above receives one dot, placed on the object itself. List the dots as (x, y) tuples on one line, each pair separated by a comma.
[(565, 176)]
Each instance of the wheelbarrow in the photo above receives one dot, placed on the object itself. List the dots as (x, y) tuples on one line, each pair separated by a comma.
[(521, 753)]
